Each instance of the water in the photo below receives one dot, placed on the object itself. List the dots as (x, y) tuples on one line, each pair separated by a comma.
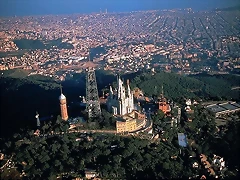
[(43, 7)]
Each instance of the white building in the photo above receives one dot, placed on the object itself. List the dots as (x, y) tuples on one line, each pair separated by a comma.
[(120, 101)]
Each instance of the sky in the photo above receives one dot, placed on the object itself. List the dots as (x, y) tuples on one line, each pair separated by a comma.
[(43, 7)]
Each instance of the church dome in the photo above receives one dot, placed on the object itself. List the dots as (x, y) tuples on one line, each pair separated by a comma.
[(61, 97)]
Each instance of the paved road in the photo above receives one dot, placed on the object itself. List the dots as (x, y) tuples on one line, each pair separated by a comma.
[(148, 124), (94, 131), (235, 88)]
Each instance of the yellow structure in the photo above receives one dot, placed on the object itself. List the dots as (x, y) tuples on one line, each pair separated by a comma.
[(63, 106), (130, 122)]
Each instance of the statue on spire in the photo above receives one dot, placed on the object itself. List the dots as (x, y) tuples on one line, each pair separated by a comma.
[(128, 87)]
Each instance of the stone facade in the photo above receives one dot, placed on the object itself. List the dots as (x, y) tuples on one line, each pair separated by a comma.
[(120, 101), (130, 122)]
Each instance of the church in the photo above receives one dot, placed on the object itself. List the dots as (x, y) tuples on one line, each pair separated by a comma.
[(120, 101)]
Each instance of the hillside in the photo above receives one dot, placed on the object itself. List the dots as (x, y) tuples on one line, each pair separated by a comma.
[(22, 97), (177, 86)]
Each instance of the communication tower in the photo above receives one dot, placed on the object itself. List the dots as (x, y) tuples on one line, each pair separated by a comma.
[(93, 105)]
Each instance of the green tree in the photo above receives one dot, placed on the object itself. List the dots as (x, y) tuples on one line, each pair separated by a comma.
[(157, 118)]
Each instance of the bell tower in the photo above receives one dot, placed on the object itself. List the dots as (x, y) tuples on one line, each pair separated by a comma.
[(63, 106)]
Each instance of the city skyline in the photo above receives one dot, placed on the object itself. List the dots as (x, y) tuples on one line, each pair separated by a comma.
[(43, 7)]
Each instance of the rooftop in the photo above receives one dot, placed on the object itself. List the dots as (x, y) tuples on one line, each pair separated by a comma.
[(61, 97), (235, 104), (229, 106), (182, 139), (216, 108)]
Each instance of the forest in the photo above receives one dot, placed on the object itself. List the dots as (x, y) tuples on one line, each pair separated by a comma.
[(39, 44), (68, 155), (201, 86)]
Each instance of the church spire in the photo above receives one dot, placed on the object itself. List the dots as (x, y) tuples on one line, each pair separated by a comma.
[(128, 87), (119, 87), (111, 90)]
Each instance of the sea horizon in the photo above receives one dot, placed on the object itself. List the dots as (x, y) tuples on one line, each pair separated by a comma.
[(60, 7)]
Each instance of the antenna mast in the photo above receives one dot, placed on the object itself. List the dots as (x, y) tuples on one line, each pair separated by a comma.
[(92, 99)]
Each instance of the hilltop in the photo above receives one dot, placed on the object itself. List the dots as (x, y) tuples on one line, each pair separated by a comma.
[(204, 85), (21, 95)]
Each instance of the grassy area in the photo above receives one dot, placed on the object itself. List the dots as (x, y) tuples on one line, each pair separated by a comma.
[(15, 73), (18, 53), (39, 44)]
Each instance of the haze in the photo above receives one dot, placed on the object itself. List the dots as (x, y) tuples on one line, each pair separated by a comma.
[(43, 7)]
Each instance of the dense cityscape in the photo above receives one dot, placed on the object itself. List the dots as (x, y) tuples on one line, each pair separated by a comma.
[(180, 41), (170, 102)]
